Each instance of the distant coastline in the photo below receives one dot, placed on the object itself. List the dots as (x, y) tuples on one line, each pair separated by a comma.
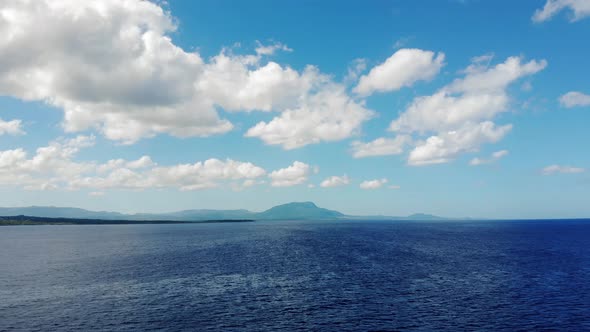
[(29, 220), (22, 220), (288, 211)]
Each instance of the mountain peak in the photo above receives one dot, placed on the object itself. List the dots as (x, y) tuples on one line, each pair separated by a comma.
[(301, 204), (298, 210)]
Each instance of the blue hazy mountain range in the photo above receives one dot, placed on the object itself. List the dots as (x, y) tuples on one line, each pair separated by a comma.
[(289, 211)]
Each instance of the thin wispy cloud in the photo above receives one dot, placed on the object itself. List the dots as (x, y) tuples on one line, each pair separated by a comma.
[(493, 158), (561, 169), (578, 9)]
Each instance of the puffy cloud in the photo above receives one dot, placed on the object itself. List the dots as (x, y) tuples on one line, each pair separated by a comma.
[(12, 127), (404, 68), (239, 83), (445, 146), (328, 115), (49, 167), (142, 162), (111, 66), (11, 158), (295, 174), (479, 78), (458, 116), (380, 147), (373, 184), (480, 95), (554, 169), (200, 175), (108, 64), (495, 156), (112, 164), (57, 157), (335, 181), (574, 98), (442, 111), (54, 167), (580, 9)]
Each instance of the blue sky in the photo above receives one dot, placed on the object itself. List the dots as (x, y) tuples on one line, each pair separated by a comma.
[(456, 108)]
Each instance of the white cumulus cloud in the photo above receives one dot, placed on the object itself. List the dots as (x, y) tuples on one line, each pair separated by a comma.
[(480, 95), (144, 161), (380, 147), (404, 68), (210, 173), (574, 98), (373, 184), (50, 167), (293, 175), (446, 146), (107, 64), (54, 167), (329, 115), (458, 117), (112, 66), (238, 83), (12, 127), (335, 181)]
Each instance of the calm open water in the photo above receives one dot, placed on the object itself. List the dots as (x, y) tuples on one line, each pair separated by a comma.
[(361, 275)]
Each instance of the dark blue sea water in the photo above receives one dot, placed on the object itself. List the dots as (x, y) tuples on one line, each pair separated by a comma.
[(328, 276)]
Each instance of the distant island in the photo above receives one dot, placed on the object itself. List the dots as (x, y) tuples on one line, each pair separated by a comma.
[(50, 215)]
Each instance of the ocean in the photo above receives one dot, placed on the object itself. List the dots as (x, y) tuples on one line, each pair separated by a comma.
[(297, 275)]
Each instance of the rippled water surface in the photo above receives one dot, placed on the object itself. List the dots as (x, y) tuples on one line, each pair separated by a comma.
[(361, 275)]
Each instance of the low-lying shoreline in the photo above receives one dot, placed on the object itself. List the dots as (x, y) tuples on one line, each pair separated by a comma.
[(28, 220)]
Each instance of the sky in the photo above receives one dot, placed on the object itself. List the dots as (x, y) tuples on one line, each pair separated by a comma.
[(456, 108)]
